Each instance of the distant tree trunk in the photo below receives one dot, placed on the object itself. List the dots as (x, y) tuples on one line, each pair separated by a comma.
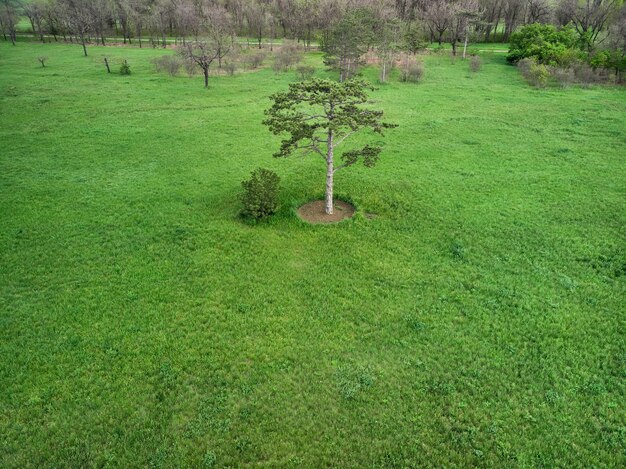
[(82, 41), (330, 171), (206, 76)]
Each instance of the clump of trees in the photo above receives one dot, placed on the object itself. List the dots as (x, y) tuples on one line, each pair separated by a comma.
[(345, 29), (568, 54), (543, 42), (317, 116)]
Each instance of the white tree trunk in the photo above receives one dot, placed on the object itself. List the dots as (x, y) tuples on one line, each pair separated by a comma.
[(330, 170), (465, 46)]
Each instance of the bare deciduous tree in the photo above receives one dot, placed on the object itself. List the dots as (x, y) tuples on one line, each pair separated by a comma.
[(538, 11), (34, 11), (220, 30), (9, 19), (202, 53), (439, 17), (464, 15), (589, 17), (80, 20)]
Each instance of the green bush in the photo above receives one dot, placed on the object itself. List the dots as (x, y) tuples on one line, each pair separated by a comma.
[(260, 196), (412, 72), (614, 60), (543, 42), (125, 68)]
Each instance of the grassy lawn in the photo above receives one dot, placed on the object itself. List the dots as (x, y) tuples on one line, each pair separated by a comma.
[(478, 319)]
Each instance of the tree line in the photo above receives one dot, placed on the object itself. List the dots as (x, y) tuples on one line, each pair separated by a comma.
[(303, 20)]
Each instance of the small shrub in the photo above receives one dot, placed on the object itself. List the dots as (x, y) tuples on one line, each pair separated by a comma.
[(230, 67), (412, 71), (524, 66), (535, 73), (190, 67), (475, 63), (565, 77), (255, 60), (458, 250), (586, 75), (305, 71), (168, 64), (260, 196), (287, 56), (42, 60), (125, 68), (538, 75)]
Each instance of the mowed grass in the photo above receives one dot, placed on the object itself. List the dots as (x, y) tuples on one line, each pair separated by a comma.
[(477, 320)]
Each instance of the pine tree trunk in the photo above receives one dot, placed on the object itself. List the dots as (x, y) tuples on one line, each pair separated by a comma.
[(330, 170)]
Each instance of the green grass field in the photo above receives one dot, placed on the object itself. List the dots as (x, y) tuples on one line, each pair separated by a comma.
[(477, 320)]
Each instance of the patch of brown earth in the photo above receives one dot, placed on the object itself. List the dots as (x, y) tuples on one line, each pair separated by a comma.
[(313, 212)]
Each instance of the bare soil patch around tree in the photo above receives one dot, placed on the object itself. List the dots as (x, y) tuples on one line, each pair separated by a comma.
[(314, 212)]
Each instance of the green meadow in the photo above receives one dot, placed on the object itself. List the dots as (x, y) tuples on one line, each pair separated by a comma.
[(472, 313)]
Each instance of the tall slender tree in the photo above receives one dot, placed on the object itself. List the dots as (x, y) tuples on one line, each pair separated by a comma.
[(317, 116)]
